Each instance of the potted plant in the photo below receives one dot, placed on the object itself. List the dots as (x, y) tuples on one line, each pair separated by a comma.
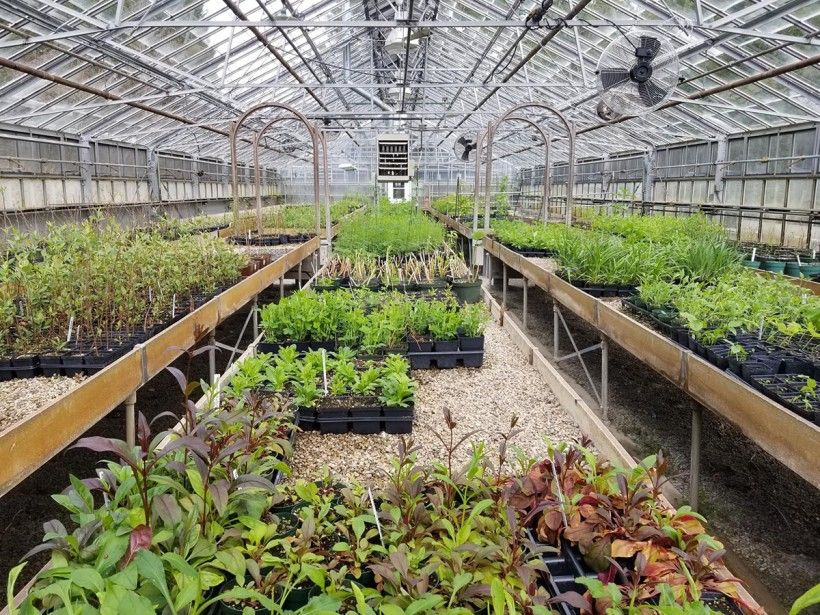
[(397, 396)]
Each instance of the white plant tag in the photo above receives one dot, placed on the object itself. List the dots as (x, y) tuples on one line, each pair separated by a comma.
[(70, 328), (375, 515)]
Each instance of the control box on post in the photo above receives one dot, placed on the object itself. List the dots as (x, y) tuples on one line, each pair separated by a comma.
[(393, 151)]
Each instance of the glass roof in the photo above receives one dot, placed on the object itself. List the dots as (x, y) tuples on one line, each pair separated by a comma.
[(176, 73)]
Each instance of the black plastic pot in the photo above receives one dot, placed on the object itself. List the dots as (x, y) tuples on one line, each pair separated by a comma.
[(306, 419), (398, 420), (471, 343), (446, 353), (419, 345), (333, 420), (51, 365), (25, 366), (366, 419)]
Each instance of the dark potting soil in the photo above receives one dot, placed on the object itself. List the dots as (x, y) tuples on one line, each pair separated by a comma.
[(765, 514), (26, 507)]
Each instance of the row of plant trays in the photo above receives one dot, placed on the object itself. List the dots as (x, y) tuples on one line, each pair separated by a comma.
[(422, 354), (355, 414), (88, 358), (446, 354), (531, 252), (466, 291), (269, 240), (564, 567), (779, 373), (600, 290)]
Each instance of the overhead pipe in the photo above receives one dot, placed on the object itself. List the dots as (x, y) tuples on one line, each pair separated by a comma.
[(491, 129), (406, 55)]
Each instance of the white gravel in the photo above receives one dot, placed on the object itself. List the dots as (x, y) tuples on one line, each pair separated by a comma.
[(482, 400), (550, 264), (25, 396)]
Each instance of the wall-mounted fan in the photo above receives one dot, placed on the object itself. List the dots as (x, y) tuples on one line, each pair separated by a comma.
[(636, 74), (463, 146)]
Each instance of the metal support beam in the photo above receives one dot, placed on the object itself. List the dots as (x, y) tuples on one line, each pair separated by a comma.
[(694, 456), (195, 176), (86, 182), (526, 288), (649, 168), (282, 287), (605, 378), (504, 287), (255, 310), (720, 168), (211, 356), (131, 420), (152, 171)]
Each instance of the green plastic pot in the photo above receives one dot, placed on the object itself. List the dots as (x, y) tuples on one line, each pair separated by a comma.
[(810, 270), (752, 264), (773, 266), (792, 268), (468, 292)]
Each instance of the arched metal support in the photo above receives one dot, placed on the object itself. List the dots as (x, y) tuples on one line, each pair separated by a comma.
[(314, 137), (326, 186), (477, 180), (491, 130), (257, 184)]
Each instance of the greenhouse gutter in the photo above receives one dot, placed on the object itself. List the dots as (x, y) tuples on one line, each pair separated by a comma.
[(31, 442), (784, 435)]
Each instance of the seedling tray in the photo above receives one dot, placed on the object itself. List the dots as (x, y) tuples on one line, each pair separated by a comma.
[(786, 389), (465, 351), (360, 420)]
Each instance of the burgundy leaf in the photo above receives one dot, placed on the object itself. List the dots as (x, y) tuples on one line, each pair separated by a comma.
[(574, 599), (251, 480), (140, 539), (98, 444), (203, 349), (167, 507), (219, 493), (180, 377)]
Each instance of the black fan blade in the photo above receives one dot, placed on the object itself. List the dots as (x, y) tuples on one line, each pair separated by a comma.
[(650, 93), (610, 77), (463, 141), (652, 44), (466, 155)]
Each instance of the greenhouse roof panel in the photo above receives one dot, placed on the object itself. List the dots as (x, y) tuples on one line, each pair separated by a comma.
[(468, 61)]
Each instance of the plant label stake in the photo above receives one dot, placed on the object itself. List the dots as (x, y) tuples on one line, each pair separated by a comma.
[(760, 330), (375, 515), (217, 393), (174, 306), (324, 369), (754, 252), (799, 264), (70, 327), (150, 295)]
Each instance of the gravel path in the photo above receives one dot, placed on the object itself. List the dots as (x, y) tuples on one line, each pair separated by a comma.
[(22, 397), (479, 399)]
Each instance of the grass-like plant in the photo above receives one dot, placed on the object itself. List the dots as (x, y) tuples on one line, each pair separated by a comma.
[(389, 230)]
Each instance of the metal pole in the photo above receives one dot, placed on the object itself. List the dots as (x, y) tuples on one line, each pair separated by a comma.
[(504, 287), (300, 274), (605, 378), (130, 420), (255, 308), (694, 457), (281, 287), (211, 356), (526, 288), (556, 331)]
